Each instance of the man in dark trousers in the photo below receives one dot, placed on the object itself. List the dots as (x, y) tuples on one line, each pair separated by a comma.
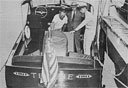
[(74, 19), (37, 33)]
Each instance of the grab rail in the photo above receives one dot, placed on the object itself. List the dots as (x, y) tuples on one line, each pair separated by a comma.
[(123, 23), (117, 7)]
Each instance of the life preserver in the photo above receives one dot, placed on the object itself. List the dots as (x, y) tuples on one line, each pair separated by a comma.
[(27, 32)]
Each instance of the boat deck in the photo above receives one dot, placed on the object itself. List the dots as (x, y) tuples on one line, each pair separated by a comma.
[(118, 28)]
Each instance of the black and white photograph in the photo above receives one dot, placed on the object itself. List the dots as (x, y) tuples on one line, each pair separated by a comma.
[(63, 43)]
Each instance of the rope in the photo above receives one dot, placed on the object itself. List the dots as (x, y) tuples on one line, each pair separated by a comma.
[(114, 76), (10, 53), (95, 58)]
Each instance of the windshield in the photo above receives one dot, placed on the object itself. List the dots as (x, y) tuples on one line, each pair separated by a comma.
[(45, 2)]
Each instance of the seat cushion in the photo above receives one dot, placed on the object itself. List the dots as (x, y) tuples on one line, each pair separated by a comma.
[(30, 61)]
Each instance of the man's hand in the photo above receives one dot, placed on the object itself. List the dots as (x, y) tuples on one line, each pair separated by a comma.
[(49, 28), (72, 31)]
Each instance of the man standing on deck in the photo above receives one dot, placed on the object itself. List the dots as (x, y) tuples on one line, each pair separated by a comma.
[(89, 30), (59, 39)]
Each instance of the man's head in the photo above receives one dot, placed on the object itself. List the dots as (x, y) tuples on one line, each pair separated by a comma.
[(62, 13), (83, 9), (74, 5)]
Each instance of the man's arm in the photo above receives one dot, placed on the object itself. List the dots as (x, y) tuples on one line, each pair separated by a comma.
[(52, 26), (84, 22)]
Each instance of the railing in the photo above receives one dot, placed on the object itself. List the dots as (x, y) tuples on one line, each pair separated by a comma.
[(117, 7), (124, 10), (125, 24)]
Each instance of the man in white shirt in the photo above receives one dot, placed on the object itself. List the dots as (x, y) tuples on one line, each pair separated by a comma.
[(59, 21), (59, 39)]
